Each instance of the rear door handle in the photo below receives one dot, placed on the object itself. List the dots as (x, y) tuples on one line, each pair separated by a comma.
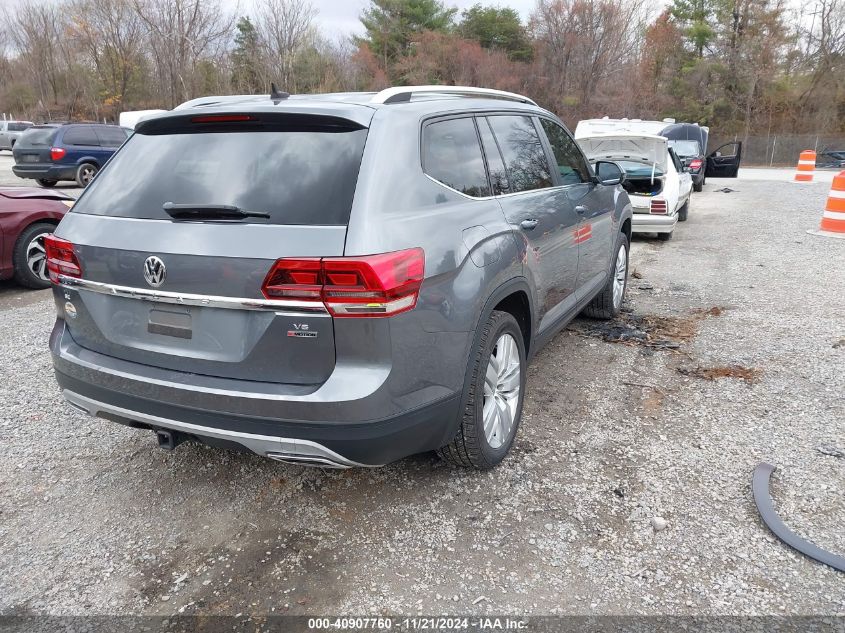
[(529, 225), (581, 209)]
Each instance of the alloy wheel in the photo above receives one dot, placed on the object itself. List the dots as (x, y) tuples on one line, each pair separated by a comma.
[(620, 273), (36, 257), (502, 383), (86, 174)]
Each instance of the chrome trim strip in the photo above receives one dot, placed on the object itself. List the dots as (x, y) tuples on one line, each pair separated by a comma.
[(208, 301), (304, 452)]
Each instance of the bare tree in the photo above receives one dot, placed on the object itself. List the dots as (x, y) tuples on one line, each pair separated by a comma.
[(583, 42), (35, 31), (181, 35), (112, 34), (286, 26)]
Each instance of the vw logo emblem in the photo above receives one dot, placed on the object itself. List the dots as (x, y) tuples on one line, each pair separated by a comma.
[(154, 271)]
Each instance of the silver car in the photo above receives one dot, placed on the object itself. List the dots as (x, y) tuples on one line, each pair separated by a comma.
[(10, 132), (334, 280)]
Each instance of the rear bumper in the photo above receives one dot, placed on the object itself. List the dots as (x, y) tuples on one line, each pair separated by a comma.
[(648, 223), (44, 171), (289, 424)]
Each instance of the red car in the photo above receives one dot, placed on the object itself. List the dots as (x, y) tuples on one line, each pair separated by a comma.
[(27, 216)]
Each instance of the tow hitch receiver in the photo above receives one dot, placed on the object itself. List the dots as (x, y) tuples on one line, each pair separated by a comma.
[(168, 440)]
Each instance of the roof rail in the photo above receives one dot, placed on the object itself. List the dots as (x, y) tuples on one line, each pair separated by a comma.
[(401, 94)]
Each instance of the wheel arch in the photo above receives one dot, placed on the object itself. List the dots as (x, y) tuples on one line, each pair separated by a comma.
[(513, 297), (90, 160)]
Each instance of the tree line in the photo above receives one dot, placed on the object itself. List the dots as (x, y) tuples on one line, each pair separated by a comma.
[(741, 66)]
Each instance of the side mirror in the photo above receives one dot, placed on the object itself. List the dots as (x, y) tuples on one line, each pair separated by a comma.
[(609, 173)]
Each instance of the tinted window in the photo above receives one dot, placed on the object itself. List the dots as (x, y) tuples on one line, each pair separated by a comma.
[(19, 127), (298, 177), (38, 136), (685, 148), (676, 161), (111, 136), (570, 161), (638, 170), (495, 165), (80, 135), (452, 155), (523, 152)]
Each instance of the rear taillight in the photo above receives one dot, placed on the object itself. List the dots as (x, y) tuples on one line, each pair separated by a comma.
[(57, 153), (61, 258), (658, 206), (368, 286), (695, 164)]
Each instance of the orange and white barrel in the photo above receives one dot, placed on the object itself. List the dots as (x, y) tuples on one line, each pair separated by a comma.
[(833, 220), (806, 166)]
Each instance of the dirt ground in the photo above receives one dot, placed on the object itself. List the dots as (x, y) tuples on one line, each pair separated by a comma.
[(628, 491)]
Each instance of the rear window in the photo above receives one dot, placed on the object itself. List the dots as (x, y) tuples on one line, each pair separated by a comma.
[(686, 148), (38, 136), (297, 177), (638, 170), (452, 155)]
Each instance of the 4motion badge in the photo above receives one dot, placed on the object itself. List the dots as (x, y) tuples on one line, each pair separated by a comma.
[(302, 330)]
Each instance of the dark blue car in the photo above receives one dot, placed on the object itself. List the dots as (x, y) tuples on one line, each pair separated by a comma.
[(73, 151)]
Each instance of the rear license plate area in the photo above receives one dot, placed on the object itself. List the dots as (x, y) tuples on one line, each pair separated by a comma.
[(170, 323), (29, 158)]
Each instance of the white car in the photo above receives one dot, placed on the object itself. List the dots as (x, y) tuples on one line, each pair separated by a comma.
[(655, 179)]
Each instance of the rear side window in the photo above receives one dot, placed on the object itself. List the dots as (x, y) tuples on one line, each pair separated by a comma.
[(111, 136), (452, 156), (525, 159), (38, 136), (19, 127), (298, 177), (570, 161), (80, 135)]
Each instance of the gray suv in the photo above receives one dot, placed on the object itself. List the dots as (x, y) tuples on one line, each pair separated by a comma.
[(333, 280)]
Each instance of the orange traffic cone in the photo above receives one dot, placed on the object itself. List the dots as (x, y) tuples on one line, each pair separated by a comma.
[(833, 220), (806, 166)]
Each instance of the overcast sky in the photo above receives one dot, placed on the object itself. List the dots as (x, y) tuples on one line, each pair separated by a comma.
[(337, 18)]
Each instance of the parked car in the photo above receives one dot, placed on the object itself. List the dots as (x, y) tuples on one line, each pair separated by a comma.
[(655, 179), (27, 216), (831, 158), (74, 151), (693, 160), (723, 162), (10, 132), (334, 280)]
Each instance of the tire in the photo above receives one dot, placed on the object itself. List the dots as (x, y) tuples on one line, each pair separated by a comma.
[(85, 173), (698, 186), (607, 303), (683, 212), (47, 184), (471, 448), (25, 249), (664, 237)]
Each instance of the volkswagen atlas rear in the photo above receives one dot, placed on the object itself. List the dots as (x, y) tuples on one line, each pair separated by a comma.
[(330, 280)]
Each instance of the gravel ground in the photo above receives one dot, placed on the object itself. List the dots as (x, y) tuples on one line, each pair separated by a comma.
[(628, 491)]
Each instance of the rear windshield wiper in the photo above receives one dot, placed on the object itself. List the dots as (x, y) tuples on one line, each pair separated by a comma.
[(209, 212)]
